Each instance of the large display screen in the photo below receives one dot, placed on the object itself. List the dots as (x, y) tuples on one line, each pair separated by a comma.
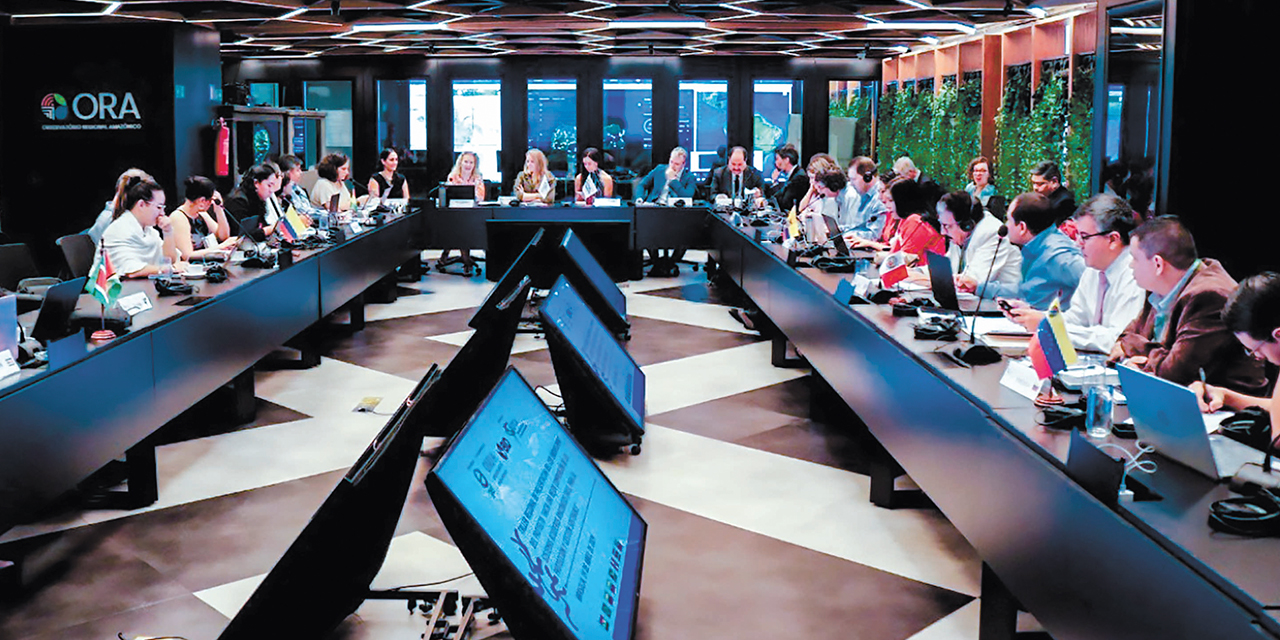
[(595, 273), (565, 309), (549, 510)]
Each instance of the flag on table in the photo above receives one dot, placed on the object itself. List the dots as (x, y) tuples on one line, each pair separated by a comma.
[(894, 269), (1050, 349), (589, 190), (104, 283), (291, 225)]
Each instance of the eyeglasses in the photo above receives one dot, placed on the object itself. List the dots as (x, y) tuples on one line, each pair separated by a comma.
[(1255, 351), (1084, 237)]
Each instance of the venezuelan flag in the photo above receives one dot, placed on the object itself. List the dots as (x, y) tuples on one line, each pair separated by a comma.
[(291, 225), (1050, 349)]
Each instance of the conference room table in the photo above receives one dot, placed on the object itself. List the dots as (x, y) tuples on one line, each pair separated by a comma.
[(1085, 569), (646, 227), (60, 425)]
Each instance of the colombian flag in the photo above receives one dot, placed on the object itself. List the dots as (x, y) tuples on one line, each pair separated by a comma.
[(291, 225), (1050, 349)]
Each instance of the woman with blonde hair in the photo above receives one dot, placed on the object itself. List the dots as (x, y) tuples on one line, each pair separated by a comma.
[(466, 170), (535, 183), (819, 164)]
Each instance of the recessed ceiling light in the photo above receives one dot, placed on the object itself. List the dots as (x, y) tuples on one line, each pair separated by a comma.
[(399, 26), (657, 24)]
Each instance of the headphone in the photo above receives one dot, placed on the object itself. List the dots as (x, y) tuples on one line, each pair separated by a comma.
[(868, 176)]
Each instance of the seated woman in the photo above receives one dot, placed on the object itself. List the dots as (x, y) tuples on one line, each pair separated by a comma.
[(1252, 313), (535, 183), (291, 191), (466, 170), (670, 180), (980, 185), (256, 197), (132, 242), (112, 208), (593, 182), (910, 227), (199, 224), (813, 201), (388, 181), (334, 170)]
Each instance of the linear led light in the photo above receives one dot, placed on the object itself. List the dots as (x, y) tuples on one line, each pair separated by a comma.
[(929, 39), (293, 14), (657, 24), (399, 26), (106, 11), (916, 3), (1138, 31), (1037, 12), (901, 48), (926, 26)]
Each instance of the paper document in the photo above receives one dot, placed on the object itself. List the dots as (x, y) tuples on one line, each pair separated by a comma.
[(1000, 326), (1213, 421)]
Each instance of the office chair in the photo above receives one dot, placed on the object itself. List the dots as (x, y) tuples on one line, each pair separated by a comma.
[(19, 274), (78, 250)]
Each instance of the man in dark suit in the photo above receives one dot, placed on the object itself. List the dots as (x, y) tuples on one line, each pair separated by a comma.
[(931, 190), (790, 183), (1046, 180), (737, 179)]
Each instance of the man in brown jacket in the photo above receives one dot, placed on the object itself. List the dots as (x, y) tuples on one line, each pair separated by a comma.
[(1180, 331)]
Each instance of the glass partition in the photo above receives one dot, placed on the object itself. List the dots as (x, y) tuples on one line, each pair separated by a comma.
[(477, 124), (628, 126), (553, 123), (402, 119), (264, 94), (850, 104), (704, 120), (1135, 48), (333, 98), (776, 119)]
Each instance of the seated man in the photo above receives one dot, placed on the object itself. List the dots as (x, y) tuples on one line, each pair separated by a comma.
[(854, 221), (737, 179), (1051, 262), (1252, 313), (1046, 180), (977, 246), (1180, 330), (1107, 299), (790, 183), (863, 179)]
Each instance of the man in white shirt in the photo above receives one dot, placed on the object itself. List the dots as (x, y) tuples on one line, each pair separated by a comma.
[(977, 248), (1108, 297), (854, 221)]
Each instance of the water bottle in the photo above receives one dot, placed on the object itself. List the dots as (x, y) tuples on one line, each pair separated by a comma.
[(1098, 406)]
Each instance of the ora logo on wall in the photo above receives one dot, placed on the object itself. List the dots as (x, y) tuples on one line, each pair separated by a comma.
[(101, 111)]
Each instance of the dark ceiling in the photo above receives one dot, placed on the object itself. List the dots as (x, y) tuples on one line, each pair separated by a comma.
[(293, 28)]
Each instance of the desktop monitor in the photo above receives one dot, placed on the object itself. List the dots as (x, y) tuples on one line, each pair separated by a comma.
[(325, 574), (453, 192), (556, 546), (602, 386), (610, 241)]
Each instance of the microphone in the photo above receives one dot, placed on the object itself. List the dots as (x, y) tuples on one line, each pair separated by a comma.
[(980, 354)]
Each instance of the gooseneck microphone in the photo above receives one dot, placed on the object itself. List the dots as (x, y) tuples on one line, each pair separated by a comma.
[(980, 354)]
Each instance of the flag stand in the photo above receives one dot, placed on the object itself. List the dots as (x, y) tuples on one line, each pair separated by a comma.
[(1048, 396), (104, 334)]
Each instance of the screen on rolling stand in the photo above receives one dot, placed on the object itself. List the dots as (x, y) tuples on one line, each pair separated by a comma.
[(565, 313), (595, 275), (325, 574), (519, 269), (552, 541)]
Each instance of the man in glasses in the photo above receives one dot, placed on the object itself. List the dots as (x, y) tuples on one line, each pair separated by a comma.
[(1108, 298), (1252, 313)]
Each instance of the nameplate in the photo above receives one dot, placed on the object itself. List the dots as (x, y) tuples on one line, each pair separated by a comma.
[(608, 202), (135, 303), (353, 228), (67, 350), (1021, 377), (462, 204), (853, 291), (9, 325), (8, 366)]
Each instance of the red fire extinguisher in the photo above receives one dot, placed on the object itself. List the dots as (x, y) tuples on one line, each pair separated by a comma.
[(222, 150)]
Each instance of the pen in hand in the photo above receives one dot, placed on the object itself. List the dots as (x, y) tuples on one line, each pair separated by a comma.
[(1204, 388)]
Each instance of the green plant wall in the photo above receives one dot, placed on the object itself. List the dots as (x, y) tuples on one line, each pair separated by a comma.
[(1051, 125), (859, 108), (939, 129)]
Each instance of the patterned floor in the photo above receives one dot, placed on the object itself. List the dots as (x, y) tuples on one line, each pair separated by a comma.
[(759, 525)]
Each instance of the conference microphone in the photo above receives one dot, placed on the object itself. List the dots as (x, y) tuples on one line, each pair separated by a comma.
[(980, 354)]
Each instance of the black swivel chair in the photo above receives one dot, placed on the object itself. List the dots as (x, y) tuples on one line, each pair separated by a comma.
[(78, 250), (18, 271)]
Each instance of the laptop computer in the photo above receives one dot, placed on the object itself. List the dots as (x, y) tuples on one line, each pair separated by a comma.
[(837, 238), (54, 320), (943, 285), (1167, 417)]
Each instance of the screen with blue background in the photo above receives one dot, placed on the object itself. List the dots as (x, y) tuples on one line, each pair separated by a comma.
[(549, 510)]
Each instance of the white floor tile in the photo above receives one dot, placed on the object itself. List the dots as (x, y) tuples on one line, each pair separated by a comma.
[(524, 343), (688, 381), (962, 624)]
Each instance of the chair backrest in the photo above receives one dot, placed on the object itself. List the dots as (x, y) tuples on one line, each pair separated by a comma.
[(16, 263), (308, 179), (78, 250)]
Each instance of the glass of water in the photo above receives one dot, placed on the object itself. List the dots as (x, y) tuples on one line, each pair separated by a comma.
[(1098, 406)]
